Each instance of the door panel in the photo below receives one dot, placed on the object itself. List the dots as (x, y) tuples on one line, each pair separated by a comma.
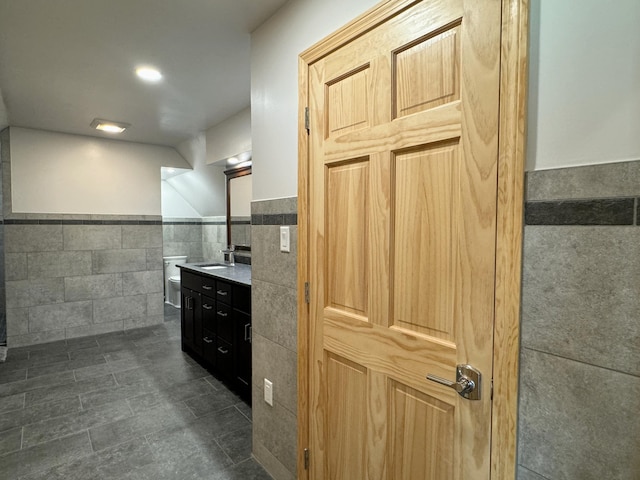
[(402, 184)]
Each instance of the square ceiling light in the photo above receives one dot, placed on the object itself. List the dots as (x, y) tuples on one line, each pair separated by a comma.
[(109, 126)]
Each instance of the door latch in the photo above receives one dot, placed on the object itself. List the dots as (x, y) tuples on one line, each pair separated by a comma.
[(467, 384)]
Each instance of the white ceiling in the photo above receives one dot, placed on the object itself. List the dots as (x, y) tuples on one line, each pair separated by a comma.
[(65, 62)]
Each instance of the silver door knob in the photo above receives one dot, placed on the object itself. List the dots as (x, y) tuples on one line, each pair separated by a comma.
[(467, 382)]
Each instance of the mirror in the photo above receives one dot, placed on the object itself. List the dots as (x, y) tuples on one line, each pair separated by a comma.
[(239, 188)]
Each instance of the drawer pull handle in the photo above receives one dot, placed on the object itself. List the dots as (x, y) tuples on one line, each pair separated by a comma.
[(207, 287), (222, 292), (247, 333), (207, 340), (221, 313), (223, 350), (207, 307)]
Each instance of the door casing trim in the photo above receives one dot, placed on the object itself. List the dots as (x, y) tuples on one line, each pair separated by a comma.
[(511, 161)]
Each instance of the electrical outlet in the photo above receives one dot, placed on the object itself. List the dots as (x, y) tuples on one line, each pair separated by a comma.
[(285, 245), (268, 391)]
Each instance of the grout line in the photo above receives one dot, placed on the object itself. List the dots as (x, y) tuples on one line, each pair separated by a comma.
[(581, 361), (90, 440), (21, 437), (532, 471)]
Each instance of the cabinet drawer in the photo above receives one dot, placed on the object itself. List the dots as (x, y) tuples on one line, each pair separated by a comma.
[(224, 322), (224, 358), (223, 292), (208, 285), (190, 280), (209, 347), (242, 298)]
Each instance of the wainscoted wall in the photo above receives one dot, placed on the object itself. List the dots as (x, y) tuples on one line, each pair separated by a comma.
[(274, 317), (81, 275), (580, 348)]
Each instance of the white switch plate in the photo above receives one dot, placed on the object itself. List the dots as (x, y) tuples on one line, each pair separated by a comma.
[(268, 391), (284, 239)]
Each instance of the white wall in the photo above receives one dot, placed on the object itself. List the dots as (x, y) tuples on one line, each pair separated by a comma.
[(584, 83), (275, 47), (229, 137), (174, 205), (205, 187), (73, 174)]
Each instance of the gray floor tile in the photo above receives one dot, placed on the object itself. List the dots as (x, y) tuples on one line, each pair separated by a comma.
[(68, 390), (45, 357), (212, 402), (86, 361), (51, 380), (171, 394), (150, 421), (237, 444), (47, 430), (162, 375), (111, 463), (108, 367), (11, 402), (247, 470), (110, 394), (10, 440), (42, 457), (8, 376), (244, 409), (39, 412)]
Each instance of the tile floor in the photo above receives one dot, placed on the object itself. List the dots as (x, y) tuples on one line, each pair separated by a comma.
[(120, 406)]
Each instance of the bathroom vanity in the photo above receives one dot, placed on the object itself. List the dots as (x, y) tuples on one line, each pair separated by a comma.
[(216, 321)]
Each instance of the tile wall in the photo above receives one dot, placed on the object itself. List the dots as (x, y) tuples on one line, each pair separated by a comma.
[(580, 346), (4, 156), (274, 305)]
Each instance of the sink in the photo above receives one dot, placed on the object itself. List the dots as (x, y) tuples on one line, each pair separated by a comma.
[(213, 266)]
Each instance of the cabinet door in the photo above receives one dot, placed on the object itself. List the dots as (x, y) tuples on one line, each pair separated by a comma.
[(242, 323), (209, 314), (224, 322), (187, 316)]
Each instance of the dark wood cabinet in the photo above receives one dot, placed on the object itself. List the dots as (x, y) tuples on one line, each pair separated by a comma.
[(216, 327)]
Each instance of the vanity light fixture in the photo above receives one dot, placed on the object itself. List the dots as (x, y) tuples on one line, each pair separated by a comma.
[(149, 74), (109, 126)]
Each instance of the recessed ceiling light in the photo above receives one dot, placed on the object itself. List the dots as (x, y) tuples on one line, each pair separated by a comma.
[(109, 126), (148, 74)]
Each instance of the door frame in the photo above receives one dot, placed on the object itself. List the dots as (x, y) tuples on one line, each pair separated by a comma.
[(509, 223)]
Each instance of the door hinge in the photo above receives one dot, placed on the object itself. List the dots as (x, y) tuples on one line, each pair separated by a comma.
[(306, 459), (306, 118), (306, 292)]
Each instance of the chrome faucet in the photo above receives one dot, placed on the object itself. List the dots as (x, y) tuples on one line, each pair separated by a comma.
[(229, 255)]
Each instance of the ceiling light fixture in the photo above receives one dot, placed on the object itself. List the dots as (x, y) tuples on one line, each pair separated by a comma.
[(109, 126), (148, 74)]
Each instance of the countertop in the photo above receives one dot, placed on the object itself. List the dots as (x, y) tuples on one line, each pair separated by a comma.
[(239, 273)]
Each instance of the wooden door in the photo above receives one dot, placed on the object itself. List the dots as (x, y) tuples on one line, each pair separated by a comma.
[(403, 145)]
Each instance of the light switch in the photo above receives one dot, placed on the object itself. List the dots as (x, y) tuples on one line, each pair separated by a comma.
[(284, 239), (268, 392)]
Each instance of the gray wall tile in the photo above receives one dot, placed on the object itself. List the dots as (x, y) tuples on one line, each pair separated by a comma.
[(15, 266), (270, 463), (276, 429), (593, 181), (579, 297), (154, 258), (524, 474), (58, 264), (187, 233), (268, 263), (115, 261), (577, 421), (274, 313), (59, 316), (26, 293), (141, 236), (138, 322), (155, 304), (17, 321), (14, 341), (280, 205), (92, 237), (94, 329), (119, 308), (136, 283), (90, 287), (279, 365), (33, 238)]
